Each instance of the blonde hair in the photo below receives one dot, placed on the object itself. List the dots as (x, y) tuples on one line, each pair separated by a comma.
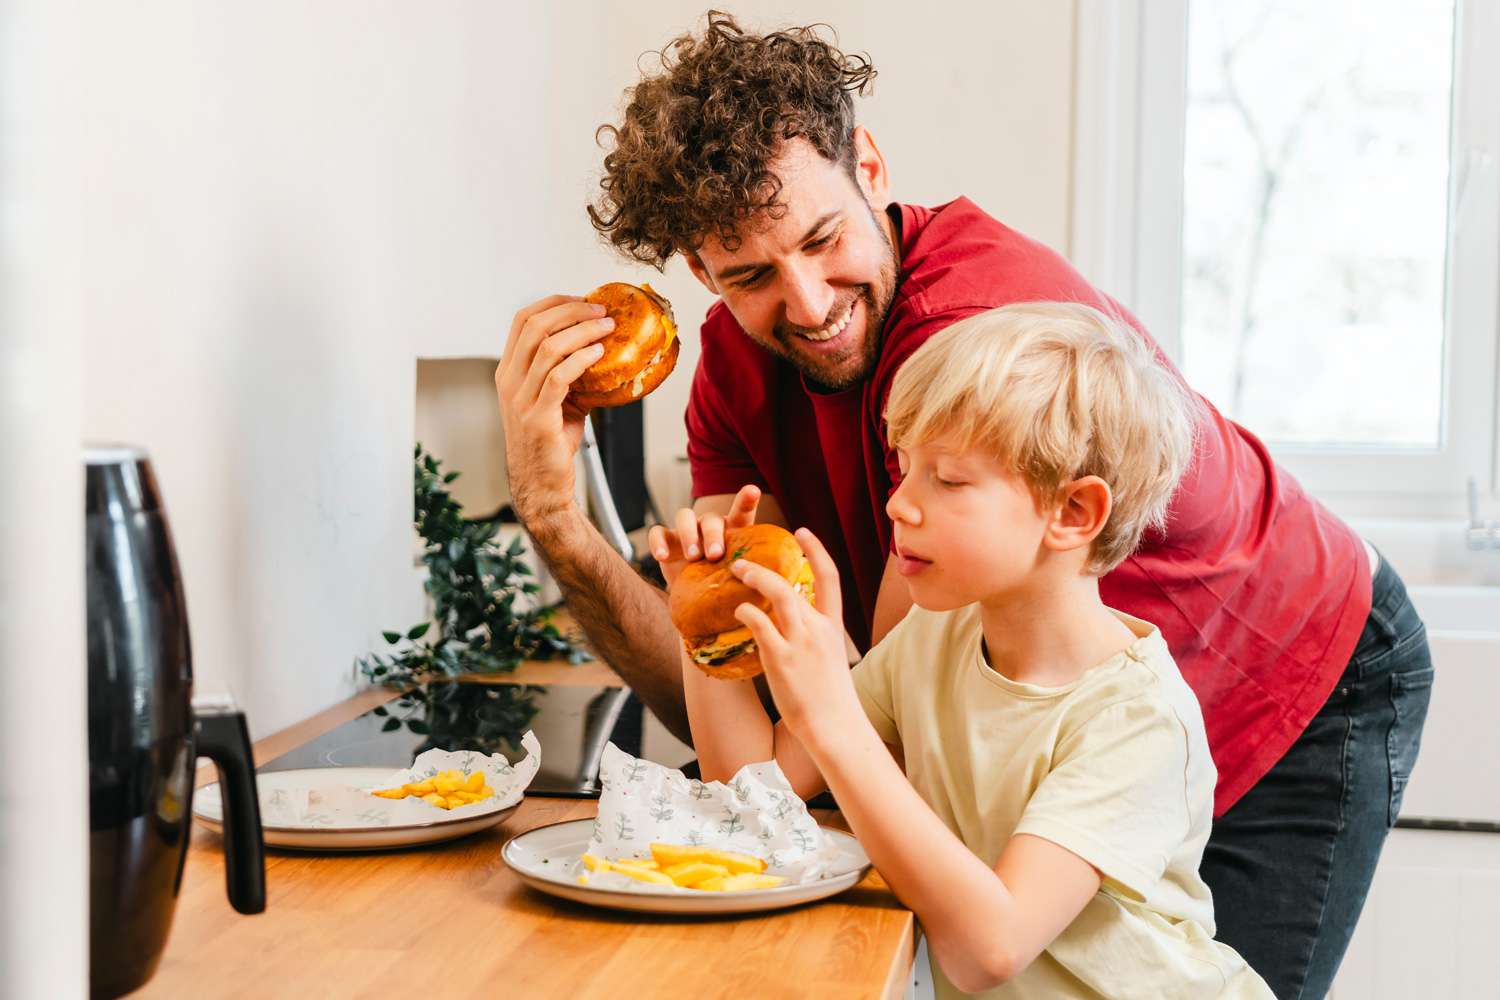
[(1056, 391)]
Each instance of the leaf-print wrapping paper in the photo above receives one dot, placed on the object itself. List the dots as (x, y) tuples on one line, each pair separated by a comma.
[(755, 813), (332, 806)]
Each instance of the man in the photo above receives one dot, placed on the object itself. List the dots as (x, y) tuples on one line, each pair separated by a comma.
[(743, 155)]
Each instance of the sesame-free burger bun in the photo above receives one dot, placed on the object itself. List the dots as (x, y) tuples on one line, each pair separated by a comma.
[(639, 353), (704, 596)]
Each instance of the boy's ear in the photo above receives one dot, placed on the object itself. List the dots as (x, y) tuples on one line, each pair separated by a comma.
[(1082, 509)]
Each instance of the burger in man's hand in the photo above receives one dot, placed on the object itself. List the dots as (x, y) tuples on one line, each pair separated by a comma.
[(638, 353), (702, 599)]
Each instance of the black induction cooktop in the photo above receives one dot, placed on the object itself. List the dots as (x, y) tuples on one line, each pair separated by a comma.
[(572, 722)]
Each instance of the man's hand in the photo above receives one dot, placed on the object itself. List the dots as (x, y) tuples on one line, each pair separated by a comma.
[(802, 646), (551, 343), (700, 537)]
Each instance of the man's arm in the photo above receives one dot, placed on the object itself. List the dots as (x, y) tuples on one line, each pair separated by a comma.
[(892, 601), (623, 615), (551, 342)]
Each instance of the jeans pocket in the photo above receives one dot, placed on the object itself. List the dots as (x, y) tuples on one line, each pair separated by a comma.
[(1410, 692)]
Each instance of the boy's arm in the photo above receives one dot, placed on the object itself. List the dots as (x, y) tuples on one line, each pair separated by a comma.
[(983, 925), (731, 729)]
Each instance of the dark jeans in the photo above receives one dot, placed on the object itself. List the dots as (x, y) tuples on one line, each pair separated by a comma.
[(1290, 863)]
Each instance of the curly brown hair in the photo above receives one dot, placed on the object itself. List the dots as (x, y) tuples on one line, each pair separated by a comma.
[(692, 156)]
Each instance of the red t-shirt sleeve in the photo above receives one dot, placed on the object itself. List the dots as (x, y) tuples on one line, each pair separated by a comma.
[(718, 456)]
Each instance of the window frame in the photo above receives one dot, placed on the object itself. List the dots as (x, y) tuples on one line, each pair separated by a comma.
[(1126, 237)]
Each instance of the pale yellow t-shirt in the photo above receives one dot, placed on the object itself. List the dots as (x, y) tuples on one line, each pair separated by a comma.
[(1113, 766)]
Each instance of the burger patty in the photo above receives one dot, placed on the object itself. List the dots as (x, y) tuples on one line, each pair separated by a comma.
[(712, 656)]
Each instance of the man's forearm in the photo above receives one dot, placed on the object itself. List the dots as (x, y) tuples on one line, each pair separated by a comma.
[(624, 616)]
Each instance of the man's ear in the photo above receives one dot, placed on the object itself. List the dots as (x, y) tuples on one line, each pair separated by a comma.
[(695, 264), (870, 171), (1081, 512)]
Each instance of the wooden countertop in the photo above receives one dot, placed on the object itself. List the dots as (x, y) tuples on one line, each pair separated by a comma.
[(452, 920)]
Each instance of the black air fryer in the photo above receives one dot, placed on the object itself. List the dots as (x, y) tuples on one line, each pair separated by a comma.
[(144, 733)]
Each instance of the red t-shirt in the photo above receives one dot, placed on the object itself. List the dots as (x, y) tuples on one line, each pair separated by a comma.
[(1260, 591)]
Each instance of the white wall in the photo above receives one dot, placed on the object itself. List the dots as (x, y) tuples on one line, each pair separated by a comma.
[(43, 835), (287, 204)]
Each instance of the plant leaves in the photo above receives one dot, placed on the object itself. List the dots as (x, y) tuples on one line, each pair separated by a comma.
[(417, 631), (392, 637), (417, 726), (390, 724)]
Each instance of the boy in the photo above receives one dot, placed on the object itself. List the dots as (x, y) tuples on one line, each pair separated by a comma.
[(1026, 767)]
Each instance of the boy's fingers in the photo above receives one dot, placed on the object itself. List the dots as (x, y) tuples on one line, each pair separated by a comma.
[(827, 597), (774, 588), (767, 638), (687, 533), (712, 529), (660, 542), (742, 510)]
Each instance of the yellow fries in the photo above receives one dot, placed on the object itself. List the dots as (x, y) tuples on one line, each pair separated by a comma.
[(689, 868), (674, 854), (446, 790)]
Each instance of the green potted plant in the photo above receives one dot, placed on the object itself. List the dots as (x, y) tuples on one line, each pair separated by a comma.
[(474, 583)]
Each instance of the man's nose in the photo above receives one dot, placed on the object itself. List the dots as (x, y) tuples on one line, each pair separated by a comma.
[(808, 298)]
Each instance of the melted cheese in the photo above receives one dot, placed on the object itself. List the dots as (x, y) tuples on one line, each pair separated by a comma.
[(667, 320)]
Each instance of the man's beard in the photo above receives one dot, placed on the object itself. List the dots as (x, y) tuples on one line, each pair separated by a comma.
[(836, 373)]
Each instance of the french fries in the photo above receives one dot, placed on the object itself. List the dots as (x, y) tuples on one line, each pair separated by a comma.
[(701, 868), (446, 789)]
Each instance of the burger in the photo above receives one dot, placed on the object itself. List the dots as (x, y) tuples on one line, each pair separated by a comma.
[(638, 353), (703, 598)]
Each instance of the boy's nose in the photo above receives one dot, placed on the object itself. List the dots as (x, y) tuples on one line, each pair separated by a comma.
[(899, 508)]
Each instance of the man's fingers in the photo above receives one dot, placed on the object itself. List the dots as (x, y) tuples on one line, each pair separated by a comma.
[(712, 529), (687, 533), (525, 313), (555, 386), (742, 510), (528, 337), (562, 346), (827, 597)]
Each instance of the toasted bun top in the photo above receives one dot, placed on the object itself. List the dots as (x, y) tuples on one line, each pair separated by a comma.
[(703, 598), (643, 326)]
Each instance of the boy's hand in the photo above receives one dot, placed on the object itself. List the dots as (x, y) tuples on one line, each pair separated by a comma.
[(700, 538), (802, 647)]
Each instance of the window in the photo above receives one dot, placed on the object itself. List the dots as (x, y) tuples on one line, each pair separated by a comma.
[(1302, 202)]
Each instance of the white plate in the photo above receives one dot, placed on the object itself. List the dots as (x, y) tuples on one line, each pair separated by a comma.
[(353, 835), (547, 859)]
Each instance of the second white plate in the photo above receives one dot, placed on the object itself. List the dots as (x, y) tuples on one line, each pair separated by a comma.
[(354, 833), (547, 860)]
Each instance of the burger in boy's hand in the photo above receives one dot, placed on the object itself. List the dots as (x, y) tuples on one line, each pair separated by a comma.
[(638, 353), (702, 599)]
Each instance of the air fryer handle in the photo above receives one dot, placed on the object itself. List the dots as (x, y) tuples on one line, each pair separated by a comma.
[(224, 739)]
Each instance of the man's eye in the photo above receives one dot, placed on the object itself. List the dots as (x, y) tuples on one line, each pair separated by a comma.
[(949, 483), (822, 241), (755, 279)]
